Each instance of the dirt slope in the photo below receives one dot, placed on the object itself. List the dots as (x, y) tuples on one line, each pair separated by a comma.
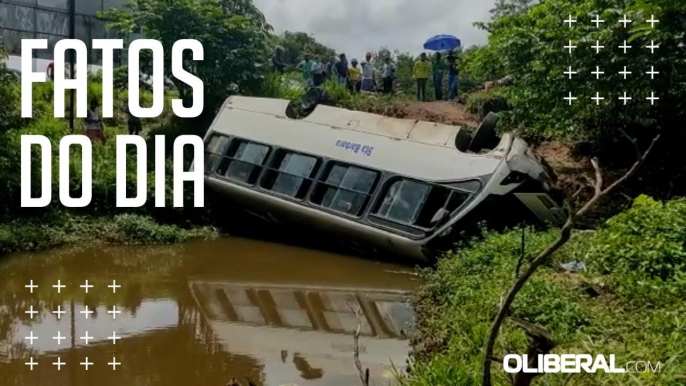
[(441, 112)]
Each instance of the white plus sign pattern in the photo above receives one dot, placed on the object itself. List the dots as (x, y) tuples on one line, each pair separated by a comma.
[(57, 313), (578, 21)]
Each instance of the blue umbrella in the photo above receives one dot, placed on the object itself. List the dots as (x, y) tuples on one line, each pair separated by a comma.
[(442, 43)]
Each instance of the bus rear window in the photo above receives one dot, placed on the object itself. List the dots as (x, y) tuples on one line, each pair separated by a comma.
[(214, 150)]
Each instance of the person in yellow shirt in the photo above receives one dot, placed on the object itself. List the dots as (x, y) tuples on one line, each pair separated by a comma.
[(354, 76), (421, 71)]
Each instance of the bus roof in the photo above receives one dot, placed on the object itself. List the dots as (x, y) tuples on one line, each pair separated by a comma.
[(414, 148), (429, 133)]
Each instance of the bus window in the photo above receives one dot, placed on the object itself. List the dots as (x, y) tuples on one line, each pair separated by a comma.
[(404, 201), (214, 150), (345, 189), (418, 204), (290, 174), (243, 162)]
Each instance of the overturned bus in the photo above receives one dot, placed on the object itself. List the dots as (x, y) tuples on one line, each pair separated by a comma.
[(382, 185)]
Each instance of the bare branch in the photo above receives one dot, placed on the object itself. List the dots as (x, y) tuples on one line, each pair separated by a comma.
[(598, 176), (543, 256), (633, 141), (364, 375), (578, 192), (496, 359), (522, 253), (541, 343), (621, 180)]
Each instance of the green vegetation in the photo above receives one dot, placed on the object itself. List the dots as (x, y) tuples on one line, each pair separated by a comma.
[(629, 299), (233, 34), (528, 46), (298, 44), (482, 102), (62, 229), (628, 302), (236, 40), (33, 229), (23, 229)]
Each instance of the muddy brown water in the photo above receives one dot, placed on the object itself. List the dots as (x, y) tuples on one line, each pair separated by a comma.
[(201, 313)]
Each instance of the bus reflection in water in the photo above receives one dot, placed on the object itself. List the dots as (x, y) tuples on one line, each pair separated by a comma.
[(308, 329)]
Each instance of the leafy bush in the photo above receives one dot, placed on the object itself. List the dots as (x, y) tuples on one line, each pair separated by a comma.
[(60, 229), (643, 253), (629, 301), (481, 64), (528, 46), (144, 230), (40, 228), (649, 238), (232, 32), (9, 91), (484, 101), (287, 86), (298, 44)]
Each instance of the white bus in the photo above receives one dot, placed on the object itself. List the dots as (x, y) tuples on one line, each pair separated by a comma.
[(383, 185)]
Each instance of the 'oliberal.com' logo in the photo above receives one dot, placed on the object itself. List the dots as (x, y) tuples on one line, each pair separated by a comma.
[(574, 363)]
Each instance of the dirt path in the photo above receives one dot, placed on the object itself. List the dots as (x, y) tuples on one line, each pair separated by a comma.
[(440, 112)]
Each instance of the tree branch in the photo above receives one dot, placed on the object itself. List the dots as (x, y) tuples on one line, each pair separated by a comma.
[(364, 375), (633, 141), (542, 258), (598, 176), (521, 253)]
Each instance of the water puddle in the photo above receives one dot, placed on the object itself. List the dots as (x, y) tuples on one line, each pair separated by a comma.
[(201, 314)]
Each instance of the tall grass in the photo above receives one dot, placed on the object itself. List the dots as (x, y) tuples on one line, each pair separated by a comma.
[(282, 86), (628, 301)]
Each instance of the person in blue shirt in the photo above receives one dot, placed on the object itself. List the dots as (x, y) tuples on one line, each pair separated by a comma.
[(342, 69), (453, 72), (306, 68), (278, 63)]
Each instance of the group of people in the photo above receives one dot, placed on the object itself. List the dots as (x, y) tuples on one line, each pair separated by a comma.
[(355, 75), (362, 76), (438, 67)]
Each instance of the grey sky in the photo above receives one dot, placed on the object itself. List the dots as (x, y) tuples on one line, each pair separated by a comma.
[(358, 26)]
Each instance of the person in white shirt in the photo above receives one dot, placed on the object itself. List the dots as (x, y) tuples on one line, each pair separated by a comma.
[(318, 72), (95, 130), (388, 75), (368, 73)]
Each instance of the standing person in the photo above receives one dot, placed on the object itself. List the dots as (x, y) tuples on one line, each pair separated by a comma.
[(342, 69), (278, 62), (439, 67), (306, 68), (388, 75), (318, 73), (421, 70), (50, 71), (368, 73), (330, 72), (354, 76), (95, 130), (451, 60)]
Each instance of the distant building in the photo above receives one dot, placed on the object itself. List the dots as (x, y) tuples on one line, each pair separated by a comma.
[(49, 19)]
